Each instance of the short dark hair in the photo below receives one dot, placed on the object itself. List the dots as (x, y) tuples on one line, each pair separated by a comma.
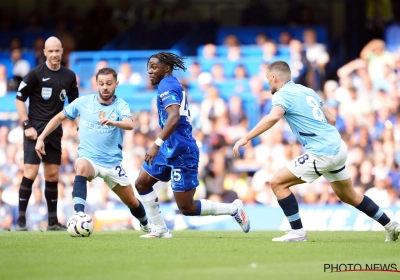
[(280, 66), (174, 61), (107, 71)]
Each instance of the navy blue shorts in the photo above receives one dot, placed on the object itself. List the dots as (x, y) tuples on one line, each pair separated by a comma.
[(183, 170)]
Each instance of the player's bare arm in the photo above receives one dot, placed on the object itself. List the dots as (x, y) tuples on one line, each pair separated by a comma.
[(266, 123), (125, 123), (169, 128), (328, 115), (50, 127), (31, 132)]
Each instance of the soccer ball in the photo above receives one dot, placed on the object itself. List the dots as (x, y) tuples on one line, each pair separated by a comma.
[(80, 225)]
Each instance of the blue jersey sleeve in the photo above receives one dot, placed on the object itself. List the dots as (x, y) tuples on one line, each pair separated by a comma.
[(71, 111), (279, 100), (124, 111), (171, 97)]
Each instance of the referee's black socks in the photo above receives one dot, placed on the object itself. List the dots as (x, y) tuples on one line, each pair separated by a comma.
[(25, 191), (51, 194)]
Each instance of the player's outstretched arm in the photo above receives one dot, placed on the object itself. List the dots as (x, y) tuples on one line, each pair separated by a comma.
[(266, 123), (328, 115), (125, 123), (50, 127)]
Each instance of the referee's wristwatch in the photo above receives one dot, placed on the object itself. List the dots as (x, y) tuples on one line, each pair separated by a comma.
[(26, 124)]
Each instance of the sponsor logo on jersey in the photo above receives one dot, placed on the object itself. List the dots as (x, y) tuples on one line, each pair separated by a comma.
[(63, 95), (45, 79), (46, 93), (102, 115)]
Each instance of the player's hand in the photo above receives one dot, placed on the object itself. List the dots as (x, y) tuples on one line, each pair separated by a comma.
[(151, 154), (31, 133), (105, 121), (40, 148), (243, 141)]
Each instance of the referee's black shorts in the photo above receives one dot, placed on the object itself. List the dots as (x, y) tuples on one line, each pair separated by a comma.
[(52, 145)]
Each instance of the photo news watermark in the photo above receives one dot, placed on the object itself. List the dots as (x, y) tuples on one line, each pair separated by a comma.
[(357, 267)]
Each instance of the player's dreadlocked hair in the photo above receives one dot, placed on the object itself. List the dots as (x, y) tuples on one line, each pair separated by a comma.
[(174, 61)]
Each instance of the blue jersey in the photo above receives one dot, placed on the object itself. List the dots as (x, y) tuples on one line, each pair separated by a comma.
[(100, 143), (306, 119), (181, 141)]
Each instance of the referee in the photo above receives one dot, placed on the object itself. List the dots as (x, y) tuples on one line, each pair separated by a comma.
[(46, 86)]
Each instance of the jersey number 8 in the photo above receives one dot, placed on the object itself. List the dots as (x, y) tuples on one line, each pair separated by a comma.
[(317, 112)]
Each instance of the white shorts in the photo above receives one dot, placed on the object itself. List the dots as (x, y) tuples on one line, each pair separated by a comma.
[(309, 167), (111, 175)]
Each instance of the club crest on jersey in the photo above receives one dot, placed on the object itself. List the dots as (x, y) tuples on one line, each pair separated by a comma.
[(113, 116), (46, 93), (63, 95), (102, 115)]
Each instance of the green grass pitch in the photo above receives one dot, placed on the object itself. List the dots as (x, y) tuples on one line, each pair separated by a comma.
[(191, 255)]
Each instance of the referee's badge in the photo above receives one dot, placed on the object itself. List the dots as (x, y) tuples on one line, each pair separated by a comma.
[(102, 115), (46, 93), (63, 95)]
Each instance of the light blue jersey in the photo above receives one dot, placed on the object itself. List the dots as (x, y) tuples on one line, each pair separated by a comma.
[(306, 119), (100, 143)]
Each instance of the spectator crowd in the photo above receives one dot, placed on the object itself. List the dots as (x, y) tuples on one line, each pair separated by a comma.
[(364, 99)]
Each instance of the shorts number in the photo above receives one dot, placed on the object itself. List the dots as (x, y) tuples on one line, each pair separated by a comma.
[(316, 111), (121, 171), (302, 159), (177, 176)]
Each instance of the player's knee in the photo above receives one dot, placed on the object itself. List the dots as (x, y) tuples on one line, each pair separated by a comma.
[(132, 203), (82, 169), (275, 185)]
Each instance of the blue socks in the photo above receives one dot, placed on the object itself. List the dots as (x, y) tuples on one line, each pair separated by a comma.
[(79, 193), (372, 210), (290, 207), (140, 214)]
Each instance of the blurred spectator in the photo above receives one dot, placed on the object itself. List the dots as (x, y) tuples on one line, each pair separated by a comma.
[(194, 70), (317, 56), (355, 101), (209, 51), (261, 38), (3, 80), (270, 50), (284, 38), (231, 41), (218, 73), (126, 75), (15, 43), (298, 62), (21, 67), (234, 53), (212, 107), (38, 50), (240, 73), (377, 56), (6, 213), (379, 192)]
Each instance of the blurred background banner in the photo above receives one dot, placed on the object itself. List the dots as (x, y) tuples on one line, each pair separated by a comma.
[(315, 218)]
